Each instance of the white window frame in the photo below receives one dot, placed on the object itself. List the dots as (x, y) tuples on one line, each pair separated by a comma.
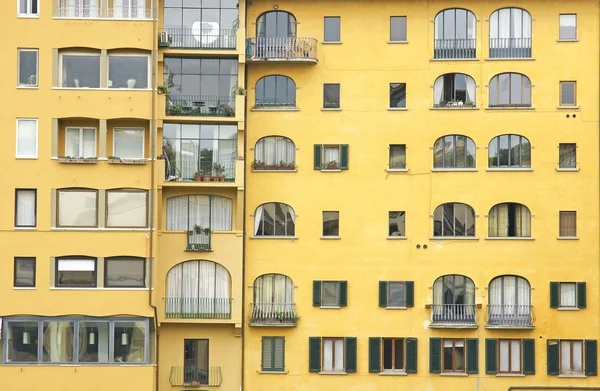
[(75, 53), (76, 190), (576, 28), (37, 67), (149, 76), (25, 226), (126, 191), (81, 128), (17, 139), (28, 14), (143, 156)]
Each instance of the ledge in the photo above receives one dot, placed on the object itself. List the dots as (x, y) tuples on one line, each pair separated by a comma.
[(25, 228), (453, 170), (273, 372), (582, 376), (511, 59), (397, 109), (27, 16), (273, 237), (397, 42), (510, 169), (453, 238), (453, 374), (457, 107), (509, 327), (510, 108), (568, 40), (396, 238), (510, 375), (454, 59), (331, 109), (327, 170), (453, 326), (568, 309), (332, 373), (330, 307), (275, 170), (28, 87), (567, 237), (115, 19), (331, 42), (508, 238), (567, 169), (101, 88), (23, 288), (97, 229), (396, 169), (393, 373), (568, 107), (331, 237), (275, 108), (396, 308)]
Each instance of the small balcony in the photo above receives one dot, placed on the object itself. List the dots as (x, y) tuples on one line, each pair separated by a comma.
[(291, 50), (510, 317), (273, 315), (99, 12), (510, 47), (197, 308), (200, 106), (194, 171), (197, 38), (191, 376), (457, 316), (454, 49), (198, 241)]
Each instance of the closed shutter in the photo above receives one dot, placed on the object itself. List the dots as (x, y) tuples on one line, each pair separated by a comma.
[(554, 288), (383, 289), (350, 354), (267, 350), (316, 293), (374, 354), (591, 357), (279, 354), (343, 293), (435, 355), (529, 356), (491, 356), (344, 150), (552, 358), (410, 293), (581, 299), (472, 355), (411, 355), (314, 354), (318, 156)]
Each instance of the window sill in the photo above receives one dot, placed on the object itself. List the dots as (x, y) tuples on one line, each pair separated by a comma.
[(330, 307), (510, 375), (396, 238), (451, 374), (100, 88), (26, 157), (396, 308), (274, 170), (453, 170), (275, 108), (393, 373), (508, 238), (26, 16), (453, 59), (397, 109), (274, 237), (25, 228), (567, 237), (576, 107), (331, 109), (568, 309), (457, 107), (453, 238), (510, 108), (567, 169), (574, 376), (331, 42), (396, 169), (115, 19), (397, 42), (53, 288), (332, 373), (331, 237), (511, 59), (510, 169), (23, 288), (96, 229), (568, 40), (273, 372), (25, 87), (326, 170)]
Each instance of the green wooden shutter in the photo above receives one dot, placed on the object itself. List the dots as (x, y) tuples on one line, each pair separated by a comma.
[(343, 293), (383, 290), (553, 358), (472, 355), (318, 156), (344, 156), (591, 357), (581, 300), (267, 357), (350, 354), (410, 293), (529, 356), (374, 354), (278, 353), (316, 293), (435, 355), (491, 356), (554, 288), (411, 355), (314, 354)]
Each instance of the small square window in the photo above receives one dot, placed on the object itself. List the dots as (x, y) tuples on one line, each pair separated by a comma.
[(393, 354), (510, 356), (28, 67), (27, 131), (398, 29), (25, 208), (330, 293), (332, 29), (398, 157), (331, 223), (567, 156), (76, 272), (398, 95), (568, 224), (396, 294), (24, 272), (454, 355), (568, 26), (568, 93), (396, 224), (273, 353), (28, 8), (568, 295), (331, 96)]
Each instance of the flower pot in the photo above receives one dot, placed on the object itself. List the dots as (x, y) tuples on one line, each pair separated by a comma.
[(198, 179), (215, 179), (222, 179), (206, 178)]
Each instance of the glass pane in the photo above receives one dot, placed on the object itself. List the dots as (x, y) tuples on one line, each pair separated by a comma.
[(568, 27), (22, 342), (129, 143), (77, 208), (470, 154), (577, 356), (280, 219), (399, 354), (503, 151), (332, 29), (125, 273), (267, 224), (398, 28), (515, 356), (460, 151), (516, 90), (460, 222), (470, 223), (58, 339), (128, 72), (80, 71), (447, 356), (331, 223), (68, 278), (329, 293), (449, 151), (437, 220), (396, 224), (28, 67), (396, 294), (398, 95), (459, 351), (567, 93), (567, 156), (515, 151), (438, 153), (397, 156), (504, 356), (88, 144), (327, 354), (331, 96), (339, 355), (126, 209), (25, 272), (130, 342), (387, 354), (504, 89), (26, 138), (525, 152), (449, 24), (93, 342), (565, 357), (448, 220)]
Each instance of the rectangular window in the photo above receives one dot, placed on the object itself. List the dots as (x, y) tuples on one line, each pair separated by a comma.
[(568, 26), (80, 70), (25, 208), (331, 96), (509, 356), (396, 223), (398, 157), (126, 209), (393, 354), (28, 67), (568, 93), (567, 155), (128, 71), (77, 208), (24, 272), (396, 294), (330, 293), (204, 85), (454, 355), (130, 342), (28, 8), (21, 340), (58, 342), (273, 353), (332, 29), (568, 295), (75, 272), (80, 142), (128, 143), (568, 224), (124, 272), (398, 95), (398, 29), (195, 358), (331, 223), (331, 157), (27, 147), (333, 354), (94, 342), (571, 357)]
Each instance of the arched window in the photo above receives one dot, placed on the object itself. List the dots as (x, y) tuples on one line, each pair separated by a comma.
[(510, 89), (454, 89), (510, 33), (509, 301), (198, 289), (273, 300), (509, 151), (509, 220), (185, 212), (455, 34), (274, 153), (454, 219), (274, 219), (276, 24), (453, 300), (454, 151), (277, 91)]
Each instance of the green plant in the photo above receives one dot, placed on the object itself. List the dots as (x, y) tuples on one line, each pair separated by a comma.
[(198, 229), (32, 80), (218, 169), (227, 110), (331, 105), (174, 110), (241, 91), (198, 173), (162, 89), (114, 157), (207, 230), (331, 165)]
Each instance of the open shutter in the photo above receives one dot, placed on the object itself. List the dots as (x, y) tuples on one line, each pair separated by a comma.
[(435, 355), (279, 353), (344, 156), (374, 354), (529, 356), (411, 355), (491, 356), (314, 354), (318, 156), (410, 293), (472, 355), (343, 293), (350, 354), (581, 299), (591, 357), (554, 287), (267, 350), (553, 357), (316, 293), (383, 293)]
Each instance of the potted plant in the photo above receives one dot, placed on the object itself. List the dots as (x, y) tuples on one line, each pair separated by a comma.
[(162, 89), (174, 110), (241, 91), (31, 80), (198, 229), (218, 171), (206, 231), (226, 110), (331, 165), (198, 176), (205, 176)]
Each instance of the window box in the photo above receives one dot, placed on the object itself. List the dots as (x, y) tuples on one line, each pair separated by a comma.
[(259, 165), (118, 160), (77, 160)]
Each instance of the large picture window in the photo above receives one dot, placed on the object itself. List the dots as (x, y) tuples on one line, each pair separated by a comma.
[(274, 219), (77, 208), (126, 208), (509, 151), (128, 71), (510, 89), (80, 70), (275, 91), (454, 151)]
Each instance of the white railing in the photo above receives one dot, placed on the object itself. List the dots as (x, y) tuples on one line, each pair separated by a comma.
[(103, 13), (510, 315), (454, 314)]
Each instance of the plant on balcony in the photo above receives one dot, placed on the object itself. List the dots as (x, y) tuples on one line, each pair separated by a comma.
[(331, 165), (174, 110), (198, 229), (218, 170), (198, 176), (205, 176), (226, 110), (206, 231), (258, 165), (241, 91), (162, 89)]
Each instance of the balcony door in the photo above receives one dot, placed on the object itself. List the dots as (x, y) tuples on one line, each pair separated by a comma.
[(195, 361), (509, 300), (276, 24), (510, 33), (455, 34), (454, 299)]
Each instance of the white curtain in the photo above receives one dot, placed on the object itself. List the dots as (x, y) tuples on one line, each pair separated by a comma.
[(221, 213), (177, 213), (222, 290), (494, 25), (571, 364), (184, 212), (77, 208), (327, 354), (577, 356), (510, 290), (332, 154), (257, 218), (25, 208), (504, 23), (338, 364), (469, 293), (438, 291), (26, 138), (291, 213), (80, 142), (135, 9), (174, 284), (199, 211), (206, 292), (470, 89), (274, 149), (504, 357), (515, 355), (129, 143), (567, 295), (190, 288), (127, 209), (438, 90)]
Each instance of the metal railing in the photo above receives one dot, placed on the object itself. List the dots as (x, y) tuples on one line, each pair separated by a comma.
[(281, 48), (210, 171), (273, 313), (197, 38), (197, 308), (454, 48), (510, 47), (510, 315), (200, 105), (198, 241), (454, 314), (103, 13), (192, 376)]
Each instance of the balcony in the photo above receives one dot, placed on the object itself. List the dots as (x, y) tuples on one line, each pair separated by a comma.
[(273, 315), (291, 50), (197, 308), (510, 317), (457, 316), (510, 47), (98, 12), (454, 49), (200, 106), (198, 241), (197, 38), (194, 171), (191, 376)]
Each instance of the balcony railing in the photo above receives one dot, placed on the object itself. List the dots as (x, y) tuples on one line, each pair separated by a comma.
[(454, 48), (103, 13), (510, 47), (210, 171), (198, 241), (192, 376), (197, 308), (273, 314), (273, 48), (200, 105), (453, 315), (197, 38), (510, 316)]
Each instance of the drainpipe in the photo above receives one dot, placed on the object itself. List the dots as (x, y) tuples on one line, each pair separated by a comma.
[(244, 203), (551, 388)]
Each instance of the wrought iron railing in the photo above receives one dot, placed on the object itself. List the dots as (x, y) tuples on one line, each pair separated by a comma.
[(510, 315), (193, 376), (510, 47), (197, 308), (273, 313), (200, 171), (198, 241), (197, 38), (264, 48), (454, 314), (454, 48), (200, 105), (98, 12)]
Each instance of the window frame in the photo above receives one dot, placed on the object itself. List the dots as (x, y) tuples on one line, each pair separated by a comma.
[(130, 54), (566, 213), (511, 217), (75, 258), (565, 283), (389, 299), (330, 104), (337, 213), (81, 131), (286, 222), (454, 370), (560, 153), (117, 129), (575, 38), (324, 163), (333, 341), (76, 190), (560, 361), (496, 79), (264, 104), (125, 190), (442, 233), (560, 93), (402, 148), (399, 86), (37, 67), (453, 166), (29, 7), (339, 28), (36, 139), (510, 341), (17, 285), (337, 293), (17, 207), (400, 17), (402, 213), (107, 260), (273, 368), (61, 55), (511, 165), (394, 369)]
